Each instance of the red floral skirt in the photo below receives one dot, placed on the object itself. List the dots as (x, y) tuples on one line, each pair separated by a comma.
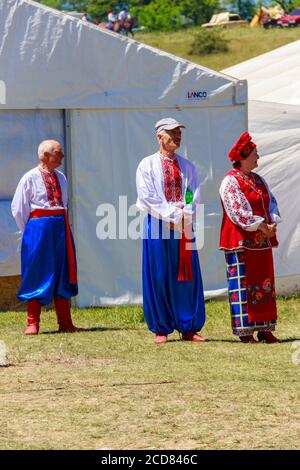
[(242, 299)]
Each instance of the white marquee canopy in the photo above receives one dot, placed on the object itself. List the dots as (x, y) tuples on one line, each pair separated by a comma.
[(100, 94)]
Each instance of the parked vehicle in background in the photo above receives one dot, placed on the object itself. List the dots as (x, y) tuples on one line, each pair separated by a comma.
[(270, 23), (225, 19), (267, 17), (290, 20)]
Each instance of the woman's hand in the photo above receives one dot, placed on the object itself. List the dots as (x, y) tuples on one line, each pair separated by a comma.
[(269, 230)]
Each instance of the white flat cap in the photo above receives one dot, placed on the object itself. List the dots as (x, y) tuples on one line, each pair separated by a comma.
[(167, 124)]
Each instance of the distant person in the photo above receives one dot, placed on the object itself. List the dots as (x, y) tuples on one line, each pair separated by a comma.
[(48, 255), (85, 17), (111, 19), (126, 21), (248, 234), (168, 190), (124, 15)]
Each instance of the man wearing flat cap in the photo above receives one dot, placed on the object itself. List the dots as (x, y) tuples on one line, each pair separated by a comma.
[(168, 190)]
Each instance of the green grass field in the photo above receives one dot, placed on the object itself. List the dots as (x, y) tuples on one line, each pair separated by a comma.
[(110, 386), (244, 43)]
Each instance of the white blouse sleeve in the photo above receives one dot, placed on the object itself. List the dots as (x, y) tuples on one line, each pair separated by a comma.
[(20, 206), (150, 201), (274, 211), (273, 207), (237, 206)]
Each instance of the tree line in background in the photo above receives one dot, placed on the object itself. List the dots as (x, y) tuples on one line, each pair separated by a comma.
[(166, 15)]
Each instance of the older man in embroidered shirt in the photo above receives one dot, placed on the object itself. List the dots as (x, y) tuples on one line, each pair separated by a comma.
[(48, 254), (172, 284)]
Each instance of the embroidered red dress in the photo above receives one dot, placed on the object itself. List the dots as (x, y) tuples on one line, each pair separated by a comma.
[(246, 203), (233, 235)]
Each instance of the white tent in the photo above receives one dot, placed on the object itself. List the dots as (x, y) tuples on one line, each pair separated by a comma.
[(101, 94), (274, 122)]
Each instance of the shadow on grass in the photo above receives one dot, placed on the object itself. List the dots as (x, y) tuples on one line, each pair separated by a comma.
[(218, 340), (209, 340), (289, 340), (173, 340), (236, 341), (286, 340), (85, 330)]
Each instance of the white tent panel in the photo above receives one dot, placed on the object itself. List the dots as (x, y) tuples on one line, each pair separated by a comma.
[(110, 270), (10, 242), (20, 134), (272, 77), (63, 62)]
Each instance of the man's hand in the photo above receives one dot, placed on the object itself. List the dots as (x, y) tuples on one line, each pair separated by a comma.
[(177, 227)]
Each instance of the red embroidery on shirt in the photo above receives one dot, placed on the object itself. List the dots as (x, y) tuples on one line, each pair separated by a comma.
[(172, 179), (53, 188)]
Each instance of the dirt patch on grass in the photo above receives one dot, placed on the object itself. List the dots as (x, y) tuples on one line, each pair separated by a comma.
[(9, 286)]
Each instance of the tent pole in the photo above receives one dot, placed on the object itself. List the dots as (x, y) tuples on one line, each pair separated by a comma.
[(69, 176)]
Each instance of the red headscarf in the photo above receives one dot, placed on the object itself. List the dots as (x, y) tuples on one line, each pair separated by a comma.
[(242, 148)]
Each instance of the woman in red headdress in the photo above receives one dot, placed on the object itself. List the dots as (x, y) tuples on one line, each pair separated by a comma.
[(248, 234)]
